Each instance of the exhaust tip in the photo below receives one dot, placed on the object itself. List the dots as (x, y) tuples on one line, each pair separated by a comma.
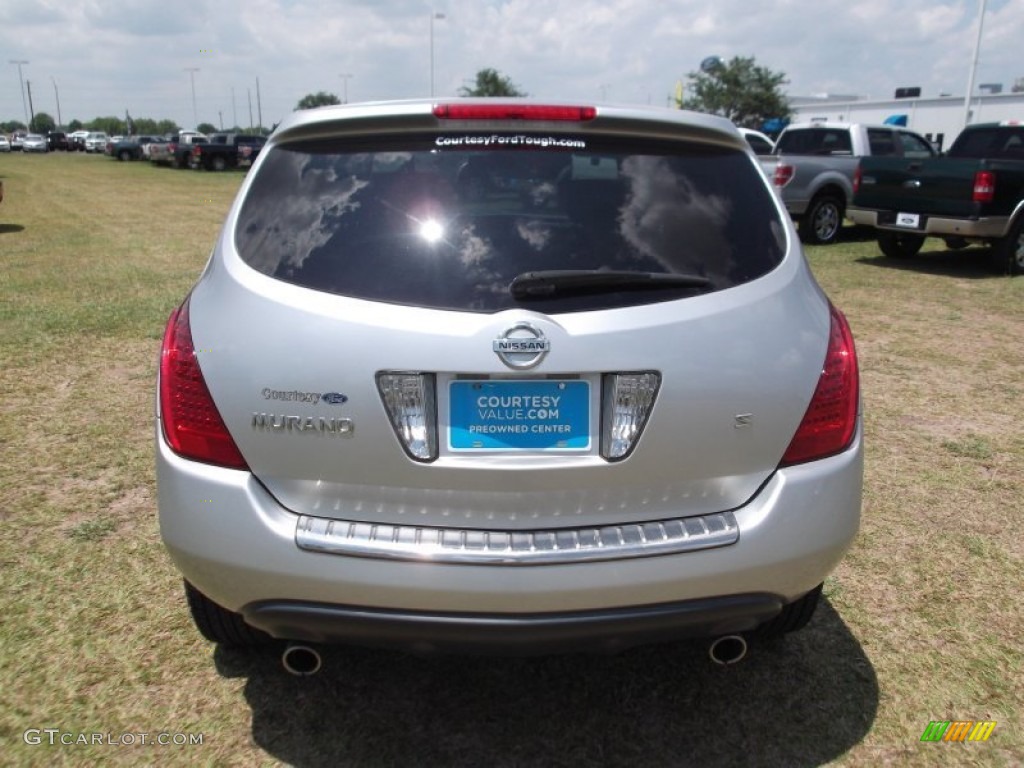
[(301, 660), (728, 649)]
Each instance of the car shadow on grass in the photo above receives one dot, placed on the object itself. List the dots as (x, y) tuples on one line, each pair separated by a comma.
[(8, 228), (974, 263), (802, 701)]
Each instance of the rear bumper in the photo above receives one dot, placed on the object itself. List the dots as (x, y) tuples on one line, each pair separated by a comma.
[(992, 226), (516, 634), (238, 546)]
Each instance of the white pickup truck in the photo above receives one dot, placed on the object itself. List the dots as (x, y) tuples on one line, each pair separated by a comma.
[(813, 164)]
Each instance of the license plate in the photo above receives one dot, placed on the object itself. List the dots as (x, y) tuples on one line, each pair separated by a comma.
[(910, 220), (502, 415)]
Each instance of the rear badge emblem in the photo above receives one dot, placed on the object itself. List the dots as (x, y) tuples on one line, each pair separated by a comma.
[(521, 346), (334, 398)]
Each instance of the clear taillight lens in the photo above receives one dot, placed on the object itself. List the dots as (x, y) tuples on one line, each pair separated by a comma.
[(409, 399), (628, 398)]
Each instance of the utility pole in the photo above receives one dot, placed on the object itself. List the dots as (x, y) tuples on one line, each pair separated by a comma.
[(259, 105), (56, 93), (432, 17), (192, 76), (234, 109), (22, 82), (31, 109), (249, 90), (344, 79), (974, 66)]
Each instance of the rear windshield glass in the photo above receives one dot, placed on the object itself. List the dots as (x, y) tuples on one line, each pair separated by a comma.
[(995, 143), (449, 222), (814, 141)]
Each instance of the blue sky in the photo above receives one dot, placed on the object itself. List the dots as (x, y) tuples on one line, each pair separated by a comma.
[(106, 56)]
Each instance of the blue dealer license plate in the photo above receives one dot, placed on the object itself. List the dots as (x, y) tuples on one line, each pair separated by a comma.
[(503, 415)]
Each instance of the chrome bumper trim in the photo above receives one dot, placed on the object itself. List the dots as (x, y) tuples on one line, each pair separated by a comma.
[(993, 226), (480, 547)]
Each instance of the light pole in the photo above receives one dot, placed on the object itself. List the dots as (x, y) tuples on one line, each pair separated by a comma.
[(56, 94), (344, 79), (432, 17), (192, 76), (974, 66), (21, 80)]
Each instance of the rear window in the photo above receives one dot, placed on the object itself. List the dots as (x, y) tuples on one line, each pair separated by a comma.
[(448, 222), (814, 141), (995, 143)]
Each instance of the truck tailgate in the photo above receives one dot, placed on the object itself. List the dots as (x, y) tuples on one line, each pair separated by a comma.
[(939, 186)]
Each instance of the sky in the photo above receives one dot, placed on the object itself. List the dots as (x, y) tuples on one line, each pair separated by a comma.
[(103, 57)]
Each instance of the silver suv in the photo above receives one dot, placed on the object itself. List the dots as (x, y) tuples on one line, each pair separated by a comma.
[(506, 376)]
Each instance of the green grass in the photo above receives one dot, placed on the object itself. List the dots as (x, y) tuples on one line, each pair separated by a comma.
[(921, 622)]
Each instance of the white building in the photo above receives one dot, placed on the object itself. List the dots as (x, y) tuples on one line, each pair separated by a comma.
[(939, 118)]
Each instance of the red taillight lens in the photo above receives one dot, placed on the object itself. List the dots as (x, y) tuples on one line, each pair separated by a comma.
[(984, 187), (192, 426), (857, 178), (829, 424), (507, 111), (783, 173)]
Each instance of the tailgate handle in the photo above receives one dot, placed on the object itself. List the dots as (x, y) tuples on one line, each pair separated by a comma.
[(914, 167)]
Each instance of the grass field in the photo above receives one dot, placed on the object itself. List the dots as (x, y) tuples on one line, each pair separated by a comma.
[(922, 622)]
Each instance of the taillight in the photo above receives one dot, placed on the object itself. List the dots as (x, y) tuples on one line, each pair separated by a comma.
[(197, 150), (410, 402), (984, 187), (628, 398), (512, 111), (191, 423), (783, 173), (830, 422), (857, 179)]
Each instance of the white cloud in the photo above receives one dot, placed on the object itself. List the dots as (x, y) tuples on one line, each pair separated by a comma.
[(112, 55)]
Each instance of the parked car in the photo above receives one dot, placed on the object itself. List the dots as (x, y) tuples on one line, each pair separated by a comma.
[(56, 140), (95, 141), (5, 144), (391, 413), (76, 140), (175, 151), (131, 147), (226, 150), (813, 166), (33, 142), (974, 194), (17, 139)]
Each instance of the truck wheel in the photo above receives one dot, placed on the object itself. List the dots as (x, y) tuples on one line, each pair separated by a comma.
[(124, 155), (1009, 251), (219, 625), (896, 245), (822, 221), (219, 164)]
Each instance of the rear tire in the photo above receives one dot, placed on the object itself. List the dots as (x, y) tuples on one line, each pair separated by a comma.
[(897, 245), (218, 163), (793, 617), (822, 221), (219, 625), (124, 155), (1009, 251)]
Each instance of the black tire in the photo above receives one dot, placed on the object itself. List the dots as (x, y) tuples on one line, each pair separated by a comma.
[(793, 617), (124, 155), (897, 245), (219, 625), (1009, 251), (822, 221), (218, 163)]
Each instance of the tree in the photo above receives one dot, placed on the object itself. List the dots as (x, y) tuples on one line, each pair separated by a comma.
[(740, 90), (490, 82), (318, 99), (11, 126), (44, 123), (75, 125), (206, 128), (112, 126)]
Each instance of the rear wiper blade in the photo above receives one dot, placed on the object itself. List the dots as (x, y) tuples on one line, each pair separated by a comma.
[(553, 282)]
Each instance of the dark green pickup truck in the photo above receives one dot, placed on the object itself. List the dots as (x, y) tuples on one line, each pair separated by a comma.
[(974, 193)]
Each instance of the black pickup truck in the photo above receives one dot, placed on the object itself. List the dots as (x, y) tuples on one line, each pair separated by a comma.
[(226, 150), (973, 193)]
